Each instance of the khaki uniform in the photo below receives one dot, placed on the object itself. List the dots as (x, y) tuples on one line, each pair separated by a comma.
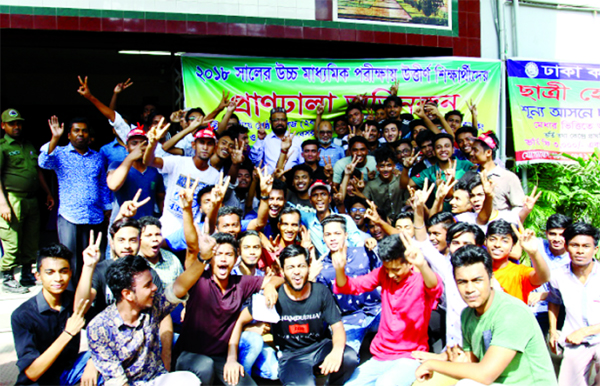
[(19, 174)]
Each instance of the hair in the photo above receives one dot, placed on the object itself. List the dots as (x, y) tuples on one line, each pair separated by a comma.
[(123, 223), (120, 274), (247, 233), (393, 98), (404, 140), (384, 153), (581, 229), (227, 210), (463, 184), (293, 250), (440, 136), (234, 116), (79, 120), (149, 220), (279, 185), (470, 255), (154, 114), (463, 227), (466, 129), (334, 218), (291, 210), (501, 227), (381, 214), (310, 142), (246, 165), (391, 248), (303, 167), (416, 122), (356, 139), (340, 118), (202, 192), (354, 106), (228, 134), (396, 122), (237, 130), (558, 220), (445, 219), (378, 106), (192, 111), (454, 112), (54, 251), (404, 214), (424, 136), (225, 238), (473, 182), (357, 200)]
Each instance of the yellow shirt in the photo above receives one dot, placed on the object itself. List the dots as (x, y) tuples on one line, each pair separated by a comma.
[(514, 279)]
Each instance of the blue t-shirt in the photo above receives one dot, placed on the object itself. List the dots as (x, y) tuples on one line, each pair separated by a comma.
[(176, 240), (151, 183)]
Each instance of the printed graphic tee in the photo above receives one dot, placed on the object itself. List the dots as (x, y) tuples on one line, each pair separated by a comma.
[(307, 321)]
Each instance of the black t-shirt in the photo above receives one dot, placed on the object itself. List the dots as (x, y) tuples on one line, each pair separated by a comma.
[(304, 322)]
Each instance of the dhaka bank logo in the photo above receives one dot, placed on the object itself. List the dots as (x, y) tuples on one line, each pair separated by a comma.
[(13, 113), (532, 70)]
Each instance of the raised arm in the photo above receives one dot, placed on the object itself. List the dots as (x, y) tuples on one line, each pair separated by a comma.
[(528, 204), (420, 112), (266, 185), (220, 107), (231, 106), (85, 92), (116, 178), (408, 163), (473, 109), (418, 205), (529, 243), (117, 90), (374, 217), (483, 217), (57, 129), (217, 194), (174, 140), (91, 257), (442, 119), (154, 135)]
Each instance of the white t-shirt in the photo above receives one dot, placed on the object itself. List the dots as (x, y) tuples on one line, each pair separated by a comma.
[(177, 169), (506, 215)]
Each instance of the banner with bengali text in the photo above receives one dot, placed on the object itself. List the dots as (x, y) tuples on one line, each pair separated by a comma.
[(555, 109), (300, 85)]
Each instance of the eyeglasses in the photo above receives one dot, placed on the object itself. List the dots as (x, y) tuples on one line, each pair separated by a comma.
[(359, 210), (325, 132), (405, 151)]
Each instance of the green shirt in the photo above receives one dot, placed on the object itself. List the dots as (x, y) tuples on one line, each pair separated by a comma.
[(18, 166), (510, 324), (386, 195), (461, 168)]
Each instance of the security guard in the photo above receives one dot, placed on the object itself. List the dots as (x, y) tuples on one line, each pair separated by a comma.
[(20, 179)]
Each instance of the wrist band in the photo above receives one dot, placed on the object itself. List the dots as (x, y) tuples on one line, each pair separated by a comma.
[(266, 198), (421, 227), (71, 335), (284, 152)]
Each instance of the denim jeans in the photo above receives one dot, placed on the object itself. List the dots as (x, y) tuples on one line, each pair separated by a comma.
[(356, 334), (73, 376), (253, 353), (397, 372)]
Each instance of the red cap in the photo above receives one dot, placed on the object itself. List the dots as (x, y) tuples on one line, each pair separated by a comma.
[(319, 184), (485, 137), (137, 132), (205, 133)]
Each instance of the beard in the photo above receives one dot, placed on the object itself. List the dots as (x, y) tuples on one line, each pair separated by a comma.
[(289, 283), (326, 143), (279, 130)]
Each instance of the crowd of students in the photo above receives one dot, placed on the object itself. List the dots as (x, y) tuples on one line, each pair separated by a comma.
[(231, 263)]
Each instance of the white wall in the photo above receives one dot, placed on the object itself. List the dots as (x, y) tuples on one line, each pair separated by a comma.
[(284, 9), (561, 35)]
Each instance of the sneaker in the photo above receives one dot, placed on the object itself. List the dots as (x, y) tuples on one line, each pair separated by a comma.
[(27, 279), (13, 286)]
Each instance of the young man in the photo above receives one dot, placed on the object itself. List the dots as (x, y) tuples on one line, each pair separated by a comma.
[(268, 146), (437, 229), (501, 340), (409, 291), (393, 107), (84, 198), (424, 143), (576, 286), (508, 193), (46, 327), (300, 179), (403, 149), (555, 253), (301, 335), (320, 198), (340, 126), (288, 230), (127, 177), (311, 153), (215, 302), (164, 263), (178, 169), (20, 180), (360, 313), (454, 119), (517, 280), (355, 116), (124, 338), (390, 130), (385, 190), (358, 149), (464, 138)]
